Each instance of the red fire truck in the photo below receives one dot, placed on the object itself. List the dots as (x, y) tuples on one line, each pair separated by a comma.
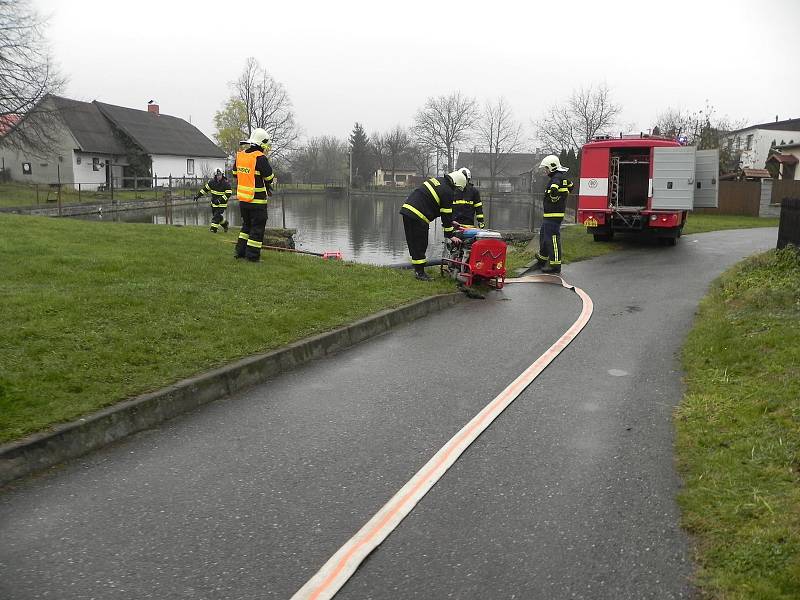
[(644, 185)]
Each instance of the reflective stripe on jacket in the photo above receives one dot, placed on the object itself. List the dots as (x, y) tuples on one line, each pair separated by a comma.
[(219, 190), (434, 198), (556, 191)]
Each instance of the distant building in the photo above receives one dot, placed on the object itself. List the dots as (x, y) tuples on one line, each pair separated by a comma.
[(752, 143), (784, 161), (513, 170), (403, 176), (93, 143)]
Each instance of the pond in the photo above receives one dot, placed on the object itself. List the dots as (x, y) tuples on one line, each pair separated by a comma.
[(365, 229)]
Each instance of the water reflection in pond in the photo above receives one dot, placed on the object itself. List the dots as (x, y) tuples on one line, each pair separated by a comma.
[(365, 229)]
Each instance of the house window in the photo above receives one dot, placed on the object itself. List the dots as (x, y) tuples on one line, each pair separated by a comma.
[(26, 169), (95, 163), (190, 166), (738, 143), (750, 142)]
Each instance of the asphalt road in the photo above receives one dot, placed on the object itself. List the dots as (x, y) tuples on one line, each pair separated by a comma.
[(569, 494)]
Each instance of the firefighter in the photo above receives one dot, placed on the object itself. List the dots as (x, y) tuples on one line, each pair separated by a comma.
[(220, 189), (467, 205), (557, 188), (255, 179), (434, 198)]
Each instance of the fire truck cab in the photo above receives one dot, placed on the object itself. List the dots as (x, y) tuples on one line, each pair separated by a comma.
[(644, 185)]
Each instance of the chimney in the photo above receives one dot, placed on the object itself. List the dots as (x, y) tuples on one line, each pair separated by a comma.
[(776, 118), (152, 107)]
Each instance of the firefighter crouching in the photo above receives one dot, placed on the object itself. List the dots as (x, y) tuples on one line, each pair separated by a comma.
[(220, 190), (434, 198), (557, 188), (254, 186), (467, 205)]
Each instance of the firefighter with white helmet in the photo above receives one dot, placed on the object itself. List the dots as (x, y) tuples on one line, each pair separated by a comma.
[(219, 189), (467, 205), (254, 187), (556, 191), (434, 198)]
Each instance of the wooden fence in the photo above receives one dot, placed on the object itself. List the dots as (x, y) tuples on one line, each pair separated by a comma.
[(782, 188), (736, 198)]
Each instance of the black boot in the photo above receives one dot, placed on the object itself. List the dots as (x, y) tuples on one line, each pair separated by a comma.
[(422, 275)]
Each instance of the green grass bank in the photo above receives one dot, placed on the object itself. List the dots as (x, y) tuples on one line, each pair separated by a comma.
[(738, 432), (99, 312)]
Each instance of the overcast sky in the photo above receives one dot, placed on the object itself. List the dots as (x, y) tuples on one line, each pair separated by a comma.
[(377, 62)]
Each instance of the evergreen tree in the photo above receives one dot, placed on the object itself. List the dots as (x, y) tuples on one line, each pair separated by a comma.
[(360, 156), (562, 157)]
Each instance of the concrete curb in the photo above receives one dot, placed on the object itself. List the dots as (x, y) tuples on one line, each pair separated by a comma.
[(43, 450)]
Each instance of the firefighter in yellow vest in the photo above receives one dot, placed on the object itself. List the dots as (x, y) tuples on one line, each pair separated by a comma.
[(255, 179)]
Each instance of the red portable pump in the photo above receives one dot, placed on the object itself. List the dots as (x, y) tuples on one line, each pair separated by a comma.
[(480, 258)]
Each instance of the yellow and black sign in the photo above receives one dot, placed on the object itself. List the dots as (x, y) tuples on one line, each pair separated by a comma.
[(590, 222)]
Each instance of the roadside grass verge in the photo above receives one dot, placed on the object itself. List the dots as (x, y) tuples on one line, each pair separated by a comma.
[(738, 431), (95, 313), (579, 245)]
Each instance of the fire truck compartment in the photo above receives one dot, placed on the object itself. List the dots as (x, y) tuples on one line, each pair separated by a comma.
[(630, 177)]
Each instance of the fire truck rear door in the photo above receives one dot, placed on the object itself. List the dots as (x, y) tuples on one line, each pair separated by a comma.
[(673, 178), (706, 175)]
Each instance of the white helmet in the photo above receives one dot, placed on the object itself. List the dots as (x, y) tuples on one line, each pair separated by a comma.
[(458, 178), (552, 164), (258, 137), (467, 173)]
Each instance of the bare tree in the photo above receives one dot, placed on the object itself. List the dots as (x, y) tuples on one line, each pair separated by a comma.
[(378, 147), (267, 105), (420, 158), (705, 129), (500, 133), (321, 160), (397, 143), (588, 112), (27, 76), (444, 122)]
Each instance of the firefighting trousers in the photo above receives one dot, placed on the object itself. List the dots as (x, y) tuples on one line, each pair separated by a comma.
[(218, 218), (417, 240), (550, 243), (251, 237)]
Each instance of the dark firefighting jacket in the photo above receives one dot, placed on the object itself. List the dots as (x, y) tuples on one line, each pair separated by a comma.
[(220, 191), (434, 198), (467, 206), (556, 191)]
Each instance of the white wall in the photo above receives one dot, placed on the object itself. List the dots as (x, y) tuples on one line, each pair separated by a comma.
[(756, 158), (84, 172), (164, 166)]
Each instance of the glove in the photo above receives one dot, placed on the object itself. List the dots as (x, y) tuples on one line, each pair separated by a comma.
[(482, 225)]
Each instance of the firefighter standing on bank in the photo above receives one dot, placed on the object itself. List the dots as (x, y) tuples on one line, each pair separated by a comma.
[(434, 198), (557, 188), (220, 189), (467, 205), (254, 178)]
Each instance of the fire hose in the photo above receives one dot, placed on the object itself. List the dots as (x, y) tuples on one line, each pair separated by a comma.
[(341, 566)]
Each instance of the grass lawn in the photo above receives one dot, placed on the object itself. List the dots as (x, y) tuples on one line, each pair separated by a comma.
[(99, 312), (738, 432), (579, 245)]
